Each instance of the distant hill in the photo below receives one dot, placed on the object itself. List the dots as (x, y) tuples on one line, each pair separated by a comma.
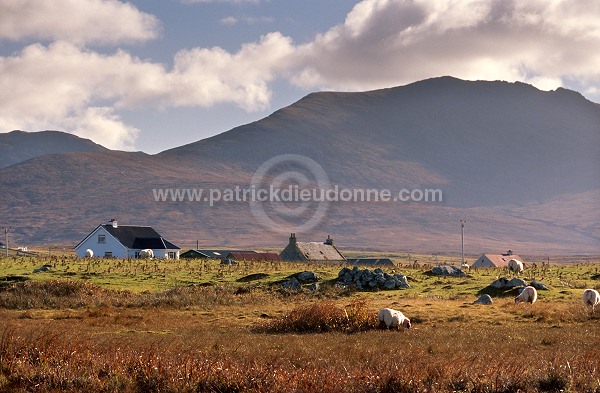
[(521, 165), (19, 146)]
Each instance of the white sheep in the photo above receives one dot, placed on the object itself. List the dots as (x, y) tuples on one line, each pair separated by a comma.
[(389, 318), (516, 266), (591, 298), (465, 267), (89, 253), (146, 253), (527, 295)]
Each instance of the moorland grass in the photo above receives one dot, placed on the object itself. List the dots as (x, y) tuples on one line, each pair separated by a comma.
[(210, 331)]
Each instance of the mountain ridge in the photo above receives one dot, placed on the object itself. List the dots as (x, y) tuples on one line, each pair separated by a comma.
[(509, 158), (18, 146)]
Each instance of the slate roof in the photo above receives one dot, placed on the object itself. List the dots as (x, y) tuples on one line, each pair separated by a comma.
[(211, 254), (253, 256), (136, 237), (318, 251)]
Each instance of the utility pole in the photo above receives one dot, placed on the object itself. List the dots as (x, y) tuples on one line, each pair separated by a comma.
[(462, 240), (6, 229)]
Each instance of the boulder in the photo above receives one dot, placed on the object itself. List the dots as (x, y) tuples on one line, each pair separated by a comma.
[(516, 283), (314, 287), (372, 279), (538, 285), (484, 299), (505, 283), (307, 277), (292, 285), (447, 270), (42, 269)]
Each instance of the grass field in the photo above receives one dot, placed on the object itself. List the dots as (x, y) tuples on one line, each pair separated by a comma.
[(193, 326)]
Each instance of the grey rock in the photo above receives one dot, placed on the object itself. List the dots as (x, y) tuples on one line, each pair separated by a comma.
[(539, 286), (366, 279), (516, 283), (314, 287), (389, 284), (484, 299), (505, 283), (42, 269), (345, 271), (307, 277), (448, 270), (499, 283), (292, 285)]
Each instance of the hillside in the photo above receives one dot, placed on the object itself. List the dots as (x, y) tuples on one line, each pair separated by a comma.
[(19, 146), (521, 165)]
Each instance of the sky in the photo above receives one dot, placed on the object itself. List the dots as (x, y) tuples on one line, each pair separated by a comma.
[(154, 75)]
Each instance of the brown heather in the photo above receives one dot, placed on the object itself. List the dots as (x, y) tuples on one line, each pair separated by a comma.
[(76, 336)]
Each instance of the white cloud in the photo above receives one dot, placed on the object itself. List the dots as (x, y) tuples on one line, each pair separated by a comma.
[(101, 123), (238, 2), (390, 42), (382, 43), (51, 87), (249, 20), (81, 22)]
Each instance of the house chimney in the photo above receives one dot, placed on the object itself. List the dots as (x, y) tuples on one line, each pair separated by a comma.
[(292, 238), (113, 222), (329, 241), (509, 252)]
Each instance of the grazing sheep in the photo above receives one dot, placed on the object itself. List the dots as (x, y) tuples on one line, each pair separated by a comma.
[(465, 267), (146, 253), (389, 318), (591, 298), (527, 295), (89, 253), (515, 266)]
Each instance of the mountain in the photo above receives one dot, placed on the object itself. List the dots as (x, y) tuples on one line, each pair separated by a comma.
[(521, 165), (19, 146)]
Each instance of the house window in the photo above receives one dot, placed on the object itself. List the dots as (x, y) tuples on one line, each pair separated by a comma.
[(108, 254), (171, 255), (136, 255), (101, 239)]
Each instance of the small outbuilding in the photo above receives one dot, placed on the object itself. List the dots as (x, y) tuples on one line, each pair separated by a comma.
[(495, 260), (239, 256), (297, 251), (210, 254)]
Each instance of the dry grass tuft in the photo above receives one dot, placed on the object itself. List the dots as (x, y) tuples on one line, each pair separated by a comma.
[(324, 316)]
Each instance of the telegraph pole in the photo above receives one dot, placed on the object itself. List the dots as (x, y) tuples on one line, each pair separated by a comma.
[(6, 229), (462, 240)]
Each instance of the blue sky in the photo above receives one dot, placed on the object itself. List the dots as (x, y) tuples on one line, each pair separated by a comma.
[(153, 75)]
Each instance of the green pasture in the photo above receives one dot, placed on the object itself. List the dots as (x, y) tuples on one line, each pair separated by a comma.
[(564, 280)]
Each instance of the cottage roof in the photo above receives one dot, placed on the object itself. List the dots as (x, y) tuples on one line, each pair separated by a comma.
[(139, 237), (500, 260), (136, 237), (317, 251)]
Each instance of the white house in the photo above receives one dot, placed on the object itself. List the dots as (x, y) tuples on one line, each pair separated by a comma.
[(125, 241)]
